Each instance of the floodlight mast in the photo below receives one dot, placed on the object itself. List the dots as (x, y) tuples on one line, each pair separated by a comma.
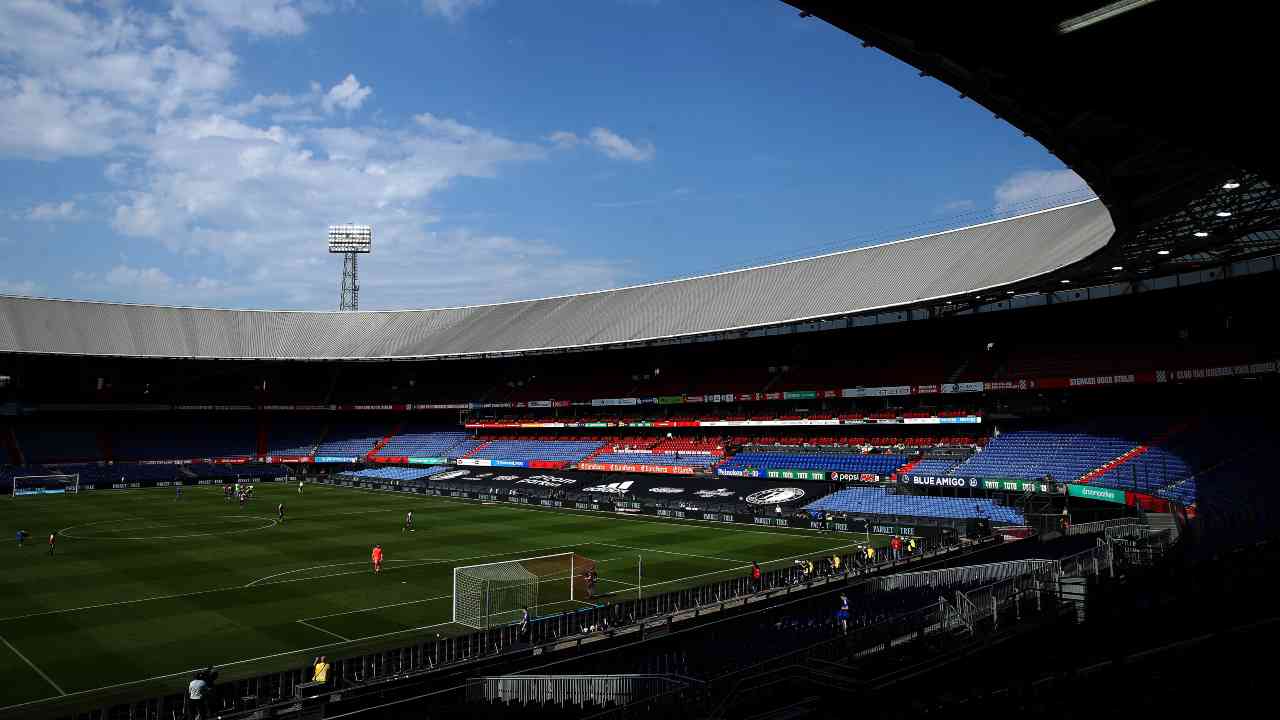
[(348, 241)]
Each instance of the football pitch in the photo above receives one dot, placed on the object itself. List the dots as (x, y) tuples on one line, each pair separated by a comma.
[(143, 588)]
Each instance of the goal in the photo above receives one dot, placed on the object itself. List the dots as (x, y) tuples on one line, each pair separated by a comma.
[(46, 484), (492, 594)]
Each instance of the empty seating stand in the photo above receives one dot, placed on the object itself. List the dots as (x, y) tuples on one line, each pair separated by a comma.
[(879, 464), (878, 501)]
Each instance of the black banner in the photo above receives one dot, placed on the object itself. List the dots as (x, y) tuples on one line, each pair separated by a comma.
[(689, 491)]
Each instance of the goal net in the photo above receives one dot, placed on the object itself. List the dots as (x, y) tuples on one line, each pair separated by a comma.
[(495, 593), (46, 484)]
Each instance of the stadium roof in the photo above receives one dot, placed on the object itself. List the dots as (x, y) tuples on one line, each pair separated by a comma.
[(1152, 103), (893, 275)]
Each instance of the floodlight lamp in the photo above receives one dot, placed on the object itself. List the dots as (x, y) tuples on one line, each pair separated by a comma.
[(1064, 281), (350, 238), (1117, 267), (1230, 185), (1162, 252), (1223, 213), (1201, 234)]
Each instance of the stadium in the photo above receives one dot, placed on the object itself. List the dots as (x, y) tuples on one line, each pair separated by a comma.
[(1018, 465)]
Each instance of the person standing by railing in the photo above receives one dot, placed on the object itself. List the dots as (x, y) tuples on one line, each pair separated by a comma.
[(320, 673)]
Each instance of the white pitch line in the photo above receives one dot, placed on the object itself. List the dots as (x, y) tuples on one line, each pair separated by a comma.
[(194, 593), (309, 650), (424, 561), (183, 673), (342, 564), (665, 552), (379, 607), (326, 632), (33, 666)]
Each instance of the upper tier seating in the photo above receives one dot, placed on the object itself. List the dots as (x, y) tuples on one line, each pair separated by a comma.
[(932, 467), (878, 501), (63, 442), (690, 445), (205, 438), (293, 436), (1031, 454), (352, 438), (426, 441), (524, 450), (848, 462), (401, 473), (658, 458)]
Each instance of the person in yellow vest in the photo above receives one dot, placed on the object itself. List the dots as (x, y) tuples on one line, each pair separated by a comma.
[(871, 555), (911, 547), (321, 674), (835, 564)]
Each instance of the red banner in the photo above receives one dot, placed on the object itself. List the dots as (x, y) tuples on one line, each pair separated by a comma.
[(548, 464), (389, 459)]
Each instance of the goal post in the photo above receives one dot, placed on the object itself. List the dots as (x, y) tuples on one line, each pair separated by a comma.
[(494, 593), (45, 484)]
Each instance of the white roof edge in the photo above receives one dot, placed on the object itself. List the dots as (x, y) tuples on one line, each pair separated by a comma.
[(569, 295)]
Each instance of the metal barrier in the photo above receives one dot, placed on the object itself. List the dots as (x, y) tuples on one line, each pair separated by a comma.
[(1101, 525), (577, 690), (965, 575)]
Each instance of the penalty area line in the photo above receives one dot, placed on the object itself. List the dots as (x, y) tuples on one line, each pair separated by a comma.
[(326, 632), (33, 666)]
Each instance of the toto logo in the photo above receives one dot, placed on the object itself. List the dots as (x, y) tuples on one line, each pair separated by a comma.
[(666, 490), (775, 496)]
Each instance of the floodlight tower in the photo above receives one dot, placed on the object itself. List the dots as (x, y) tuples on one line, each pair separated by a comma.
[(349, 241)]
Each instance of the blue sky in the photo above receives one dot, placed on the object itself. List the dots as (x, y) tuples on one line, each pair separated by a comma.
[(193, 152)]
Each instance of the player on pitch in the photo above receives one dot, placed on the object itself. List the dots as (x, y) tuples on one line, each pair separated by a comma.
[(408, 522), (377, 559)]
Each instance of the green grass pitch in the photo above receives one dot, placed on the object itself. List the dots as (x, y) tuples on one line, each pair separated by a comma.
[(144, 588)]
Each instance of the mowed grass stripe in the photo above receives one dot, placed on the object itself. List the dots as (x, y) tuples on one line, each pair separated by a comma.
[(204, 613)]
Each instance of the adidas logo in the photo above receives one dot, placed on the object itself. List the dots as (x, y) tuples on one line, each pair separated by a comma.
[(617, 488)]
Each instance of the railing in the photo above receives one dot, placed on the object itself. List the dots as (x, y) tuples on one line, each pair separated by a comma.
[(965, 575), (572, 690), (1132, 530), (1093, 561), (1101, 525)]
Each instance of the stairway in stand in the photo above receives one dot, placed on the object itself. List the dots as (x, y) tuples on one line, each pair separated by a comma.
[(1110, 465), (478, 448), (1163, 521)]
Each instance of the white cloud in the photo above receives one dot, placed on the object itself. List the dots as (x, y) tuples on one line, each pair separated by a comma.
[(18, 287), (242, 188), (152, 284), (53, 212), (144, 278), (259, 17), (620, 148), (1028, 187), (952, 206), (605, 141), (41, 122), (451, 10), (564, 139), (347, 95)]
